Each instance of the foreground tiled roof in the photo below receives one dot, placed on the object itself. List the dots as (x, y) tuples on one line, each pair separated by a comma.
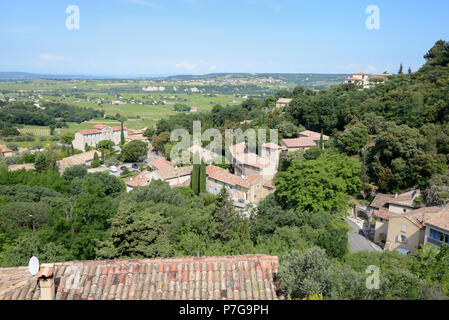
[(208, 278)]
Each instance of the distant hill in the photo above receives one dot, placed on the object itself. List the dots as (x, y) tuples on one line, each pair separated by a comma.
[(30, 76)]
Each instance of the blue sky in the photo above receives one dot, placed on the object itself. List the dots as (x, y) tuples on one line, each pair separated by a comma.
[(146, 37)]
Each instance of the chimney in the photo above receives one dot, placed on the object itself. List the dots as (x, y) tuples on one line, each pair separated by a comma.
[(47, 282)]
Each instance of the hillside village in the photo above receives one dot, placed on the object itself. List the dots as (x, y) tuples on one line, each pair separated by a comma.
[(359, 177)]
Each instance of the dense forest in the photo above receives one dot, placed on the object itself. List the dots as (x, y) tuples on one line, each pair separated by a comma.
[(391, 137)]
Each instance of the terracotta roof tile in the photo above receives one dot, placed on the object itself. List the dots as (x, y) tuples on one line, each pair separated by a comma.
[(234, 277)]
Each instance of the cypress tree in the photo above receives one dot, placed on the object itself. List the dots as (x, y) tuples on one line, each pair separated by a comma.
[(401, 68), (122, 135), (195, 182), (202, 177)]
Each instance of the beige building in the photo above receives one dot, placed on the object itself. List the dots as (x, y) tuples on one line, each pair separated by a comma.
[(174, 176), (243, 191), (437, 228), (84, 158), (98, 133), (283, 102), (250, 164), (385, 206), (407, 230)]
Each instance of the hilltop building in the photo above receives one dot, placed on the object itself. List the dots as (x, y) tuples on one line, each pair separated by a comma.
[(365, 80), (98, 133)]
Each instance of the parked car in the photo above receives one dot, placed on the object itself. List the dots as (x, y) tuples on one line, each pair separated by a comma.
[(135, 166), (113, 169), (123, 168)]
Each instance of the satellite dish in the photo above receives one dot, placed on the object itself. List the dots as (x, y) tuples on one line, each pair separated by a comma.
[(33, 266)]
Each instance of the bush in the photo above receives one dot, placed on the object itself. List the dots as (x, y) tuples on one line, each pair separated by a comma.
[(42, 138), (13, 146)]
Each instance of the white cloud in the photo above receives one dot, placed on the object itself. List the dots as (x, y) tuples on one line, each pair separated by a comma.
[(185, 65), (54, 57)]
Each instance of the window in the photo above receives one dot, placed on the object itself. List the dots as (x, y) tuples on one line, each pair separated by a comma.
[(404, 228)]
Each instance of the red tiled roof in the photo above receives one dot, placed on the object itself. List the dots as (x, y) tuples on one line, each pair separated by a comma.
[(119, 128), (134, 132), (89, 131), (5, 150), (440, 219), (99, 126), (161, 164), (313, 134), (302, 142), (208, 278), (232, 179), (140, 180)]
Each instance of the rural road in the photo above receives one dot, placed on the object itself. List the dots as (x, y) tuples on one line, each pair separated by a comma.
[(358, 242)]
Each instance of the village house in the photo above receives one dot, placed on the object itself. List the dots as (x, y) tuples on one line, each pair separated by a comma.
[(5, 152), (174, 176), (283, 102), (399, 224), (147, 279), (84, 158), (243, 190), (407, 230), (307, 139), (247, 163), (133, 135), (98, 133), (384, 206)]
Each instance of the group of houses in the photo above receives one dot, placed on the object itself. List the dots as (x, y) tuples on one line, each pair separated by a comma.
[(249, 180), (367, 81), (399, 222)]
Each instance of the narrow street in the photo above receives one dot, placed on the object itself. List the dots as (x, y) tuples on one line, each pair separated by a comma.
[(357, 241)]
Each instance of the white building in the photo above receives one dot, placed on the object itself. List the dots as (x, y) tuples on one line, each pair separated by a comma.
[(283, 102), (98, 133), (365, 80)]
